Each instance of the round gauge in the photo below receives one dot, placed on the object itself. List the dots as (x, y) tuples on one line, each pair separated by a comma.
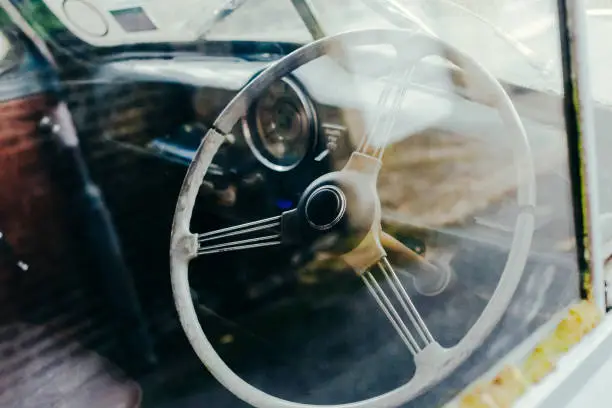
[(280, 127)]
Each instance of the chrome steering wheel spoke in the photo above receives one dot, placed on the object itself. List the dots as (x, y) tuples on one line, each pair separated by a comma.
[(255, 234), (416, 338), (387, 111)]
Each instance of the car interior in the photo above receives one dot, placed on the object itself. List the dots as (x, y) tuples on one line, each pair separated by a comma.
[(196, 209)]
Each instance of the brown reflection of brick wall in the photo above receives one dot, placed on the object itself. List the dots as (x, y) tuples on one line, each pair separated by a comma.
[(30, 203)]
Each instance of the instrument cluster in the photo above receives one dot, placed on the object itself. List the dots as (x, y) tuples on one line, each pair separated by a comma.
[(281, 127), (284, 140)]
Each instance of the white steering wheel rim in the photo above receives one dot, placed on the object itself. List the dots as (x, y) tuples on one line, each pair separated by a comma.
[(446, 360)]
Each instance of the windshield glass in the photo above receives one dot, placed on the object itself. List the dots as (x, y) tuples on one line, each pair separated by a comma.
[(517, 40), (278, 20), (395, 206)]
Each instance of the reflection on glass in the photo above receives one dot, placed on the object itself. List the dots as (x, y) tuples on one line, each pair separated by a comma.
[(358, 212)]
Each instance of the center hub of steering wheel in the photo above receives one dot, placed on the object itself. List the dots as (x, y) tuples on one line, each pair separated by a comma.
[(325, 207), (334, 214)]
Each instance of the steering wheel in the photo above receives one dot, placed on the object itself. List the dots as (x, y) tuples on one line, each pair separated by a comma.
[(344, 205)]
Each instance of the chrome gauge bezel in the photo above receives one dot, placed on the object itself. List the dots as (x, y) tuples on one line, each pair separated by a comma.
[(253, 138)]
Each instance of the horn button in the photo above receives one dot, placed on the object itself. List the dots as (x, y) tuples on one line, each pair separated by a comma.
[(334, 214), (325, 207)]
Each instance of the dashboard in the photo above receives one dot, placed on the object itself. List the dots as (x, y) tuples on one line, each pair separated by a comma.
[(282, 143), (308, 123), (297, 129)]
